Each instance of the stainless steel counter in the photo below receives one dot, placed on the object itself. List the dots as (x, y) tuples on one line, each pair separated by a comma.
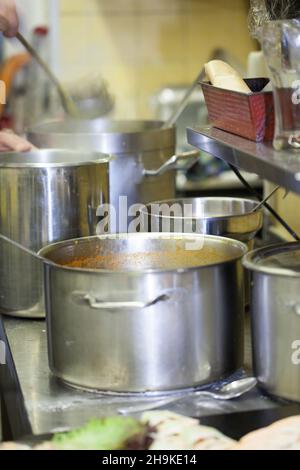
[(38, 403), (282, 167)]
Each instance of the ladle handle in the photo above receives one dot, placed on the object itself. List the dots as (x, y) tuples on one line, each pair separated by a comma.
[(67, 102), (182, 105), (26, 250)]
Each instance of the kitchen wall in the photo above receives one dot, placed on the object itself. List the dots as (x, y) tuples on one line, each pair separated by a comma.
[(141, 45), (138, 46)]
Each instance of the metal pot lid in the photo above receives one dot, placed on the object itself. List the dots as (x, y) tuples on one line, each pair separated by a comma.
[(282, 259)]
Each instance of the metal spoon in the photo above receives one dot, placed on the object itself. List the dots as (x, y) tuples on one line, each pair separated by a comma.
[(227, 392)]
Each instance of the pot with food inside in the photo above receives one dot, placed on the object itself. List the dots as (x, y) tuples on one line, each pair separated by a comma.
[(144, 312)]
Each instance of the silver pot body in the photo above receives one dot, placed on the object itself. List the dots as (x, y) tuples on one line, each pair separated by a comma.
[(275, 318), (140, 150), (222, 216), (146, 330), (45, 196)]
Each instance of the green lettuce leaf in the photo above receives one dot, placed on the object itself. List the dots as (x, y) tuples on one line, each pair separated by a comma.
[(109, 433)]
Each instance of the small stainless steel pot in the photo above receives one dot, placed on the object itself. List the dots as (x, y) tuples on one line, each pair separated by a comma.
[(161, 320), (45, 196), (144, 162), (275, 314), (223, 216)]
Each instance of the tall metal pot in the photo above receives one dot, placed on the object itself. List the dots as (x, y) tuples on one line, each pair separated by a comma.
[(45, 196), (144, 166), (155, 317), (275, 318)]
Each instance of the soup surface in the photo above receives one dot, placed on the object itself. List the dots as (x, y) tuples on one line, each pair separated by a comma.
[(150, 260)]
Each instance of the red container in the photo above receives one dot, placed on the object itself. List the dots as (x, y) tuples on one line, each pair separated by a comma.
[(248, 115)]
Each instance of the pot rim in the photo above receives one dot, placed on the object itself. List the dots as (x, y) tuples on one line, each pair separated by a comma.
[(43, 128), (210, 198), (250, 259), (99, 158), (141, 136), (243, 249)]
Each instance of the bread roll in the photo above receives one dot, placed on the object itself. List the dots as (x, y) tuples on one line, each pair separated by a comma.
[(224, 76), (281, 435), (177, 432)]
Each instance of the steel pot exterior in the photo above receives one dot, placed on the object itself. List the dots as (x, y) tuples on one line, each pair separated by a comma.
[(144, 331), (222, 216), (275, 323), (45, 196), (136, 145)]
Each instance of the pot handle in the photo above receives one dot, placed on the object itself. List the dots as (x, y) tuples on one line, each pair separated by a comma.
[(295, 307), (96, 303), (172, 164)]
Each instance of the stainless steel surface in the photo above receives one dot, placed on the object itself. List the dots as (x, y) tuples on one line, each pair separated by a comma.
[(21, 247), (45, 196), (188, 332), (223, 216), (281, 259), (94, 303), (229, 391), (280, 167), (137, 146), (48, 406), (172, 164), (275, 318)]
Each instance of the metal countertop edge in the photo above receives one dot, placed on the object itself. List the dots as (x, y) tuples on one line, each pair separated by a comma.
[(11, 393), (243, 159)]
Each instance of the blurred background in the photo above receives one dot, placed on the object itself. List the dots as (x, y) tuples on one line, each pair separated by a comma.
[(138, 47), (129, 59)]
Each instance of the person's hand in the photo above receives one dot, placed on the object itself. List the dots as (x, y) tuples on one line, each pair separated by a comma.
[(10, 142), (9, 22)]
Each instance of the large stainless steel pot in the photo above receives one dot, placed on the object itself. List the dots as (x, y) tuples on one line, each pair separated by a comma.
[(275, 313), (130, 328), (143, 169), (45, 196)]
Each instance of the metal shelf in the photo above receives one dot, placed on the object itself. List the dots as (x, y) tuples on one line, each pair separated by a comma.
[(282, 167), (226, 180)]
